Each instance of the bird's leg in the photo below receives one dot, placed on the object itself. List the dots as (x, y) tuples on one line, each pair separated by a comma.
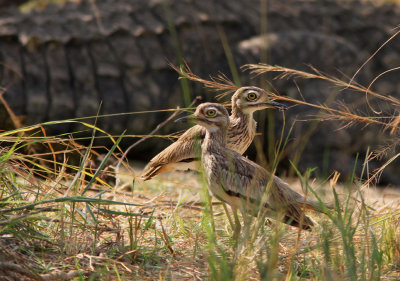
[(238, 226), (228, 215), (209, 202), (246, 221)]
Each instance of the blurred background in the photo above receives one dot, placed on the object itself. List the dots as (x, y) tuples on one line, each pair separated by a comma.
[(62, 59)]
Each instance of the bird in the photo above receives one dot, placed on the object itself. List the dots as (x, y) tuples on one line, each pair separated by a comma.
[(184, 153), (242, 183)]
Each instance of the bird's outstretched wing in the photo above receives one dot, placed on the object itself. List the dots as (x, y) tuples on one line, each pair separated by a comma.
[(180, 155)]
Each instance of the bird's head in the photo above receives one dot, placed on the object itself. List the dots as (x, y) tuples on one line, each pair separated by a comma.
[(249, 99), (209, 115)]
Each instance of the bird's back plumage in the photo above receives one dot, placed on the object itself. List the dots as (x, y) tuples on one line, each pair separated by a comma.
[(243, 184)]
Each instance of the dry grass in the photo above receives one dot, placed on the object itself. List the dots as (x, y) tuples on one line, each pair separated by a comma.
[(340, 111), (165, 235)]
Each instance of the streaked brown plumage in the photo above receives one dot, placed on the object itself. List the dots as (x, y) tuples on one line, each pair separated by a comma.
[(240, 182), (181, 155)]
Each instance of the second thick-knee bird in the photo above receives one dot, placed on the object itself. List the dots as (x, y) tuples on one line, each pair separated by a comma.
[(182, 154), (240, 182)]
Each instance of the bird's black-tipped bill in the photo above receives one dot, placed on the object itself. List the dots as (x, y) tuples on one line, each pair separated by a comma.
[(269, 104), (186, 119), (275, 104), (278, 105)]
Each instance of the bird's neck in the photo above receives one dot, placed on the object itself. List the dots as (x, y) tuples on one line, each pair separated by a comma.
[(244, 115), (215, 139), (241, 122)]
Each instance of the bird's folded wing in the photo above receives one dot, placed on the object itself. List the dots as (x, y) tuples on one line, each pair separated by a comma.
[(243, 178)]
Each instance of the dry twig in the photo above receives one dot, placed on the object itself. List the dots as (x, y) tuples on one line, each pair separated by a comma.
[(221, 83)]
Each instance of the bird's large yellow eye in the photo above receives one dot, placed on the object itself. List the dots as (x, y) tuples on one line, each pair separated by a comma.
[(251, 96), (211, 113)]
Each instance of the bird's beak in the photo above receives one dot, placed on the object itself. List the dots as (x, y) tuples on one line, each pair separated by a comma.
[(278, 105), (186, 119), (275, 104)]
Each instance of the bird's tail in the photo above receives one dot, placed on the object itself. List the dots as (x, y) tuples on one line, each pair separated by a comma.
[(304, 222), (295, 217)]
